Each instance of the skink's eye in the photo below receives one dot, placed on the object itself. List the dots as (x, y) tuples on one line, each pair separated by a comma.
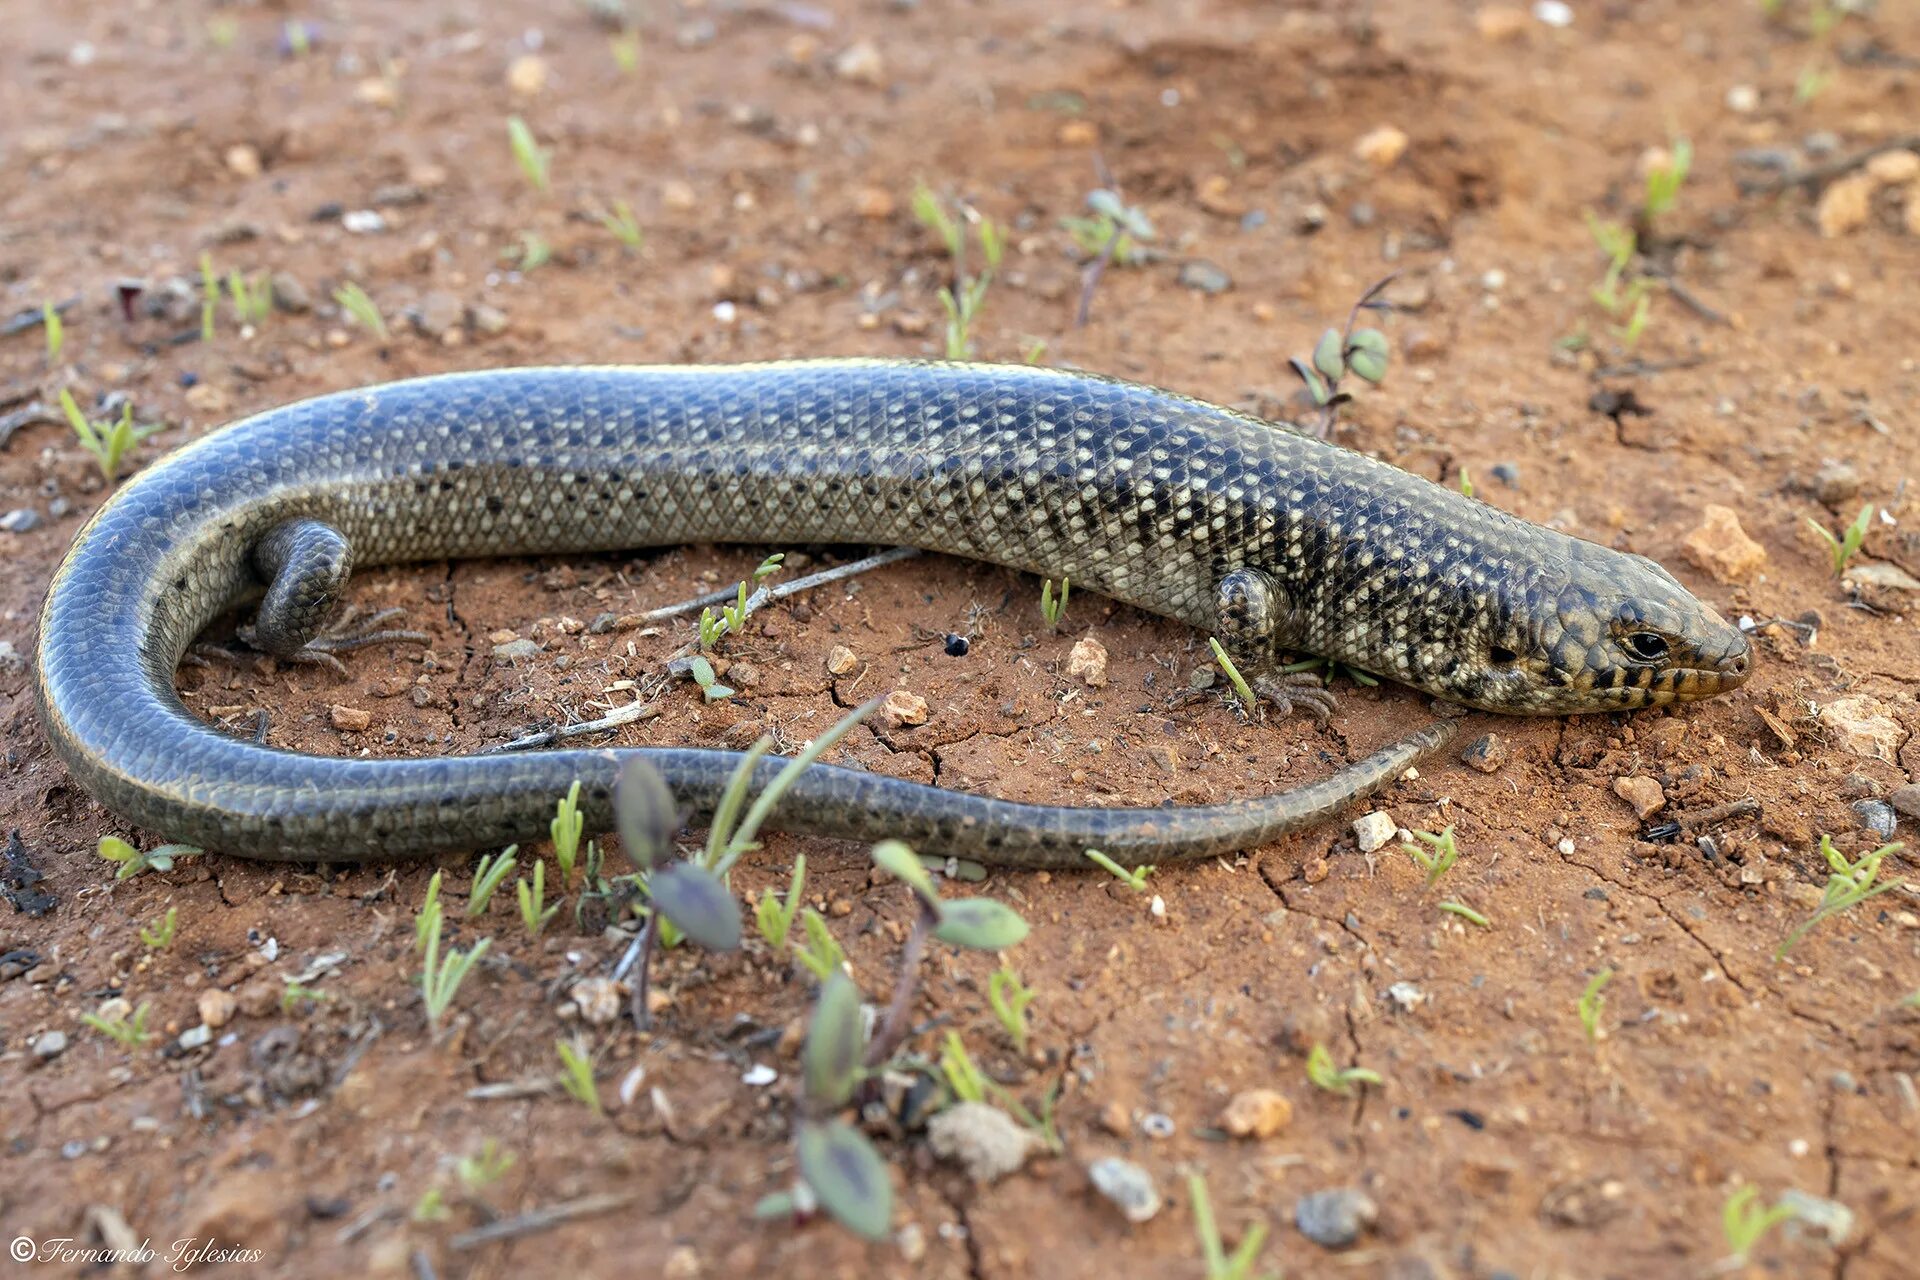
[(1648, 646)]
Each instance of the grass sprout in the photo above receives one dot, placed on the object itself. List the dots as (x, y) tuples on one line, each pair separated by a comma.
[(252, 299), (107, 440), (568, 822), (623, 226), (1241, 689), (963, 298), (1440, 861), (355, 302), (625, 48), (774, 915), (1665, 179), (1466, 913), (296, 991), (1220, 1264), (128, 1030), (1744, 1221), (1848, 544), (1325, 1075), (534, 160), (488, 875), (440, 977), (1848, 885), (132, 862), (576, 1075), (820, 954), (1054, 608), (534, 911), (56, 332), (1135, 879), (1592, 1003), (159, 935), (209, 296), (1009, 998)]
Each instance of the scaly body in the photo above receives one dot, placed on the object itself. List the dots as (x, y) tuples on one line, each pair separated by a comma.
[(1269, 538)]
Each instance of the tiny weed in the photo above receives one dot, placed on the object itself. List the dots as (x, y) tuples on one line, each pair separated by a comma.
[(710, 687), (487, 1166), (1054, 608), (108, 441), (1466, 913), (1593, 1002), (1440, 861), (568, 822), (1241, 689), (1626, 301), (1009, 998), (534, 911), (56, 332), (209, 296), (129, 1031), (963, 298), (1220, 1264), (1466, 484), (1664, 180), (576, 1075), (1848, 885), (623, 226), (440, 978), (625, 48), (1848, 544), (132, 862), (488, 875), (1745, 1221), (159, 935), (252, 299), (1362, 352), (296, 991), (355, 302), (533, 159), (963, 1075), (1135, 879), (429, 911), (774, 915), (533, 252), (1325, 1075), (820, 953)]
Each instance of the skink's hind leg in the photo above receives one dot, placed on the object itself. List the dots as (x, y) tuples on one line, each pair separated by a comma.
[(306, 564), (1252, 614)]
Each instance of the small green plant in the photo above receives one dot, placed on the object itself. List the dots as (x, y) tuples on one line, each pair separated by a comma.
[(485, 1167), (965, 1080), (1009, 998), (1627, 301), (1440, 861), (252, 299), (129, 1031), (533, 159), (1241, 689), (576, 1075), (222, 31), (1220, 1264), (1745, 1221), (1113, 230), (159, 935), (532, 253), (209, 296), (355, 302), (775, 916), (820, 953), (1665, 179), (1135, 879), (1466, 484), (56, 332), (1325, 1075), (1054, 608), (1848, 885), (534, 911), (963, 298), (429, 912), (131, 862), (729, 619), (296, 991), (839, 1166), (1362, 352), (1593, 1003), (1848, 544), (488, 875), (625, 48), (108, 441), (440, 978), (566, 827), (297, 37), (1466, 913), (710, 687), (623, 226)]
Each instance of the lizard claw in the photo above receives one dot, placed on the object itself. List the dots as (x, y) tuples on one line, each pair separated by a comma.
[(351, 630), (1297, 691)]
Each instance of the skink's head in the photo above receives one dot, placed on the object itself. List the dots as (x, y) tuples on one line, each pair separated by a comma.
[(1615, 632)]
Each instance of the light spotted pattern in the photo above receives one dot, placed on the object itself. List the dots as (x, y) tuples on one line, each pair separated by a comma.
[(1275, 540)]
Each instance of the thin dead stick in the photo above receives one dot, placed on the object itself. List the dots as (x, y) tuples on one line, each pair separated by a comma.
[(629, 714), (767, 595), (1821, 174), (539, 1220)]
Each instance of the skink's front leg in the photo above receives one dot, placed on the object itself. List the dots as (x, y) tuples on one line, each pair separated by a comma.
[(1252, 614)]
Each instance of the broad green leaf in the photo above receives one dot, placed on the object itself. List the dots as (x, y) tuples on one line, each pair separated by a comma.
[(697, 903), (1368, 365), (1326, 354), (1368, 340), (832, 1056), (898, 861), (848, 1176), (643, 810), (979, 923)]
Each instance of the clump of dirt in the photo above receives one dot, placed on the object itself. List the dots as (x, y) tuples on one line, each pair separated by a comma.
[(767, 155)]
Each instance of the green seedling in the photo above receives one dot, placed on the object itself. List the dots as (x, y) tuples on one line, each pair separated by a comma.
[(1466, 484), (623, 226), (297, 991), (131, 861), (108, 441), (775, 916), (1135, 879), (355, 302), (252, 299), (576, 1075), (159, 935), (56, 332), (566, 827), (1745, 1221), (1592, 1003), (964, 1078), (1466, 913), (127, 1031), (840, 1167), (430, 1207), (1054, 608), (1035, 351), (533, 252), (533, 159), (702, 672), (1009, 998), (534, 911), (429, 912), (1848, 885), (1111, 236), (1220, 1264), (1325, 1075), (1627, 301), (820, 954), (1848, 544), (1440, 861), (963, 298), (209, 296), (487, 1166), (488, 875), (1364, 353), (1665, 180), (625, 48), (222, 31), (440, 978), (297, 37), (1241, 689)]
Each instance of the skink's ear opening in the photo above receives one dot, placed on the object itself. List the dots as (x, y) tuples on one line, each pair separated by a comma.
[(1500, 657)]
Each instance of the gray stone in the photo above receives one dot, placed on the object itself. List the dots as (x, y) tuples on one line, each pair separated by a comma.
[(1876, 816), (20, 520), (51, 1044), (1205, 276), (1129, 1187), (1334, 1219)]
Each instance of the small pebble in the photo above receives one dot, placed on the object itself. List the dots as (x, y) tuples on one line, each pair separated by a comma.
[(1906, 800), (957, 645), (1487, 753), (1644, 794), (20, 520), (599, 1000), (350, 719), (1555, 13), (1088, 662), (50, 1045), (984, 1140), (861, 63), (196, 1037), (217, 1007), (1205, 277), (1128, 1186), (1372, 831), (841, 661), (1381, 147), (1334, 1219), (516, 649), (1864, 726), (1722, 548), (363, 222), (759, 1076), (1876, 816), (1256, 1113), (1156, 1125), (1743, 99), (903, 709)]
